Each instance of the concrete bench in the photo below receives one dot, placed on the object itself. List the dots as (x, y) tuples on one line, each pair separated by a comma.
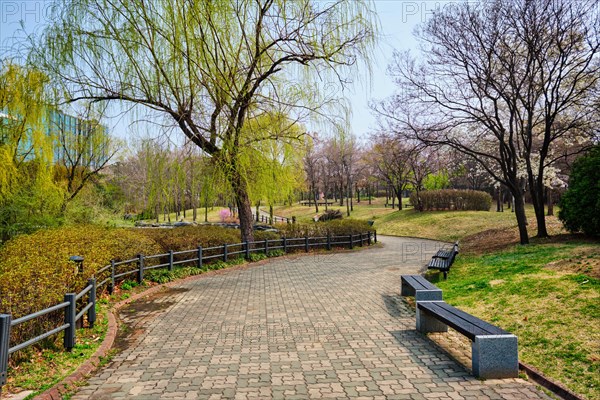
[(419, 287), (494, 351)]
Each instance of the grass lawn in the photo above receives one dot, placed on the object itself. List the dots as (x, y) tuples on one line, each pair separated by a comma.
[(362, 210), (544, 294), (213, 216)]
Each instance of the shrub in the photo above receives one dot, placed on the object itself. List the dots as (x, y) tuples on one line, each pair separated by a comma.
[(36, 272), (330, 215), (336, 228), (452, 199), (580, 205), (189, 237), (263, 235)]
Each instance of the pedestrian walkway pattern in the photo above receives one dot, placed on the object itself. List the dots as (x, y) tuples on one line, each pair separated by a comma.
[(311, 326)]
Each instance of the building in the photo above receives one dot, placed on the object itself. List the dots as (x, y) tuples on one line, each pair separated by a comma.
[(75, 141)]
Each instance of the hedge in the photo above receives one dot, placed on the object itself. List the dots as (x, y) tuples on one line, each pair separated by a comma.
[(452, 199), (35, 271), (339, 227)]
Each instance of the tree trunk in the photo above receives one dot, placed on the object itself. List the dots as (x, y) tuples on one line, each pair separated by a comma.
[(550, 201), (537, 198), (348, 198), (498, 199), (519, 209), (399, 195), (244, 208), (393, 202), (369, 193), (316, 197), (271, 214)]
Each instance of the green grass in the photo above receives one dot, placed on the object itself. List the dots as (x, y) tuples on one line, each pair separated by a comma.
[(362, 210), (444, 225), (554, 313)]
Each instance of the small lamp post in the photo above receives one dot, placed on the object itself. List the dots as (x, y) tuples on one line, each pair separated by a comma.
[(78, 260)]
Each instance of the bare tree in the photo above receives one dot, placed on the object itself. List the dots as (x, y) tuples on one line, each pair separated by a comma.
[(390, 157), (504, 83), (208, 66), (83, 148), (312, 164)]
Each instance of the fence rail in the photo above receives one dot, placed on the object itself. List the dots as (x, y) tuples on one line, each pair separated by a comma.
[(266, 219), (115, 272)]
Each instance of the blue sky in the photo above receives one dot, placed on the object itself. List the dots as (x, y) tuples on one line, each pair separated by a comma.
[(398, 19)]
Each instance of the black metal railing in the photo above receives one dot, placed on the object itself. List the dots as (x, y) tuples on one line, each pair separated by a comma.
[(118, 270)]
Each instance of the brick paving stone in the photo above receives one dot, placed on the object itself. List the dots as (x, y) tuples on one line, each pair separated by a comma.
[(313, 326)]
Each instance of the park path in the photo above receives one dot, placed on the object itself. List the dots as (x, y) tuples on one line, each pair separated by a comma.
[(329, 325)]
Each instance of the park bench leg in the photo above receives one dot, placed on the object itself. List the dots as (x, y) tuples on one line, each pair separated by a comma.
[(426, 323), (495, 357), (406, 289)]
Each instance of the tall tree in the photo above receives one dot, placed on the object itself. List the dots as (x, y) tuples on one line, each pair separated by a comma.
[(504, 82), (29, 196), (83, 148), (208, 66), (391, 159)]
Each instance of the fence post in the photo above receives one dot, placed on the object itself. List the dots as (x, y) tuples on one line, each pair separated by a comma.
[(199, 257), (91, 314), (5, 320), (351, 242), (306, 243), (284, 245), (170, 260), (111, 288), (70, 314), (328, 240), (266, 247), (247, 249), (140, 276), (369, 238), (225, 252), (375, 236)]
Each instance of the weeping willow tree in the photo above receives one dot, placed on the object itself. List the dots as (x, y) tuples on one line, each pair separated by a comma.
[(28, 194), (210, 66), (273, 167)]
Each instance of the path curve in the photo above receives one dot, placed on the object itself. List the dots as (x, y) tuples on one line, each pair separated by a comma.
[(313, 326)]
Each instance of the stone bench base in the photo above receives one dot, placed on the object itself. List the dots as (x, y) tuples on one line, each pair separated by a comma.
[(493, 356)]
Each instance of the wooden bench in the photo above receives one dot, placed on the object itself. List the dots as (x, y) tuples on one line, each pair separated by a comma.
[(419, 287), (494, 351), (443, 260)]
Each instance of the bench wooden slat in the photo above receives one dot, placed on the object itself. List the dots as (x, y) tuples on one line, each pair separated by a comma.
[(420, 288), (443, 254), (463, 322), (418, 282)]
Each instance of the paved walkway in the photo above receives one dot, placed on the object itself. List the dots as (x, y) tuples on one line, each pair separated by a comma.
[(312, 326)]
